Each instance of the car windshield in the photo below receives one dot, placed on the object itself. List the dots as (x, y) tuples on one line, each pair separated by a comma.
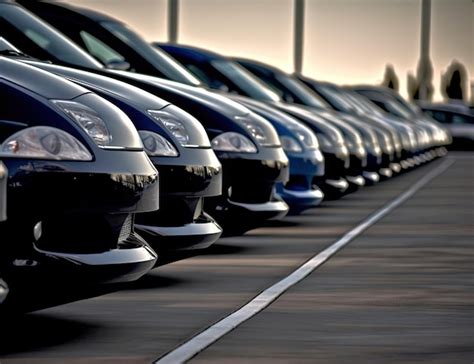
[(397, 109), (44, 36), (162, 61), (338, 101), (5, 45), (363, 103), (410, 107), (245, 80), (304, 93)]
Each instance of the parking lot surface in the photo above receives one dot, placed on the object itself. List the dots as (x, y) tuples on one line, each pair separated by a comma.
[(402, 291)]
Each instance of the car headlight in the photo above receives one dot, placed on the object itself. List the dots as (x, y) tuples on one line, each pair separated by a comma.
[(255, 129), (233, 142), (155, 145), (88, 119), (305, 136), (290, 144), (45, 142), (324, 141), (170, 122)]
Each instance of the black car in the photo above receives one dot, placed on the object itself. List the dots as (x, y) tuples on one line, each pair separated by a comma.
[(108, 40), (242, 140), (78, 174), (178, 145)]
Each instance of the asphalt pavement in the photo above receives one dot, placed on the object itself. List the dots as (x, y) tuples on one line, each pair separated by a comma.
[(400, 292)]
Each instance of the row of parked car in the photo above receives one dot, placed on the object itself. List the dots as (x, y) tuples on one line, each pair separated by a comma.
[(117, 154)]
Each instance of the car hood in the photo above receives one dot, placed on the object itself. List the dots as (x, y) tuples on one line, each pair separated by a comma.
[(37, 81)]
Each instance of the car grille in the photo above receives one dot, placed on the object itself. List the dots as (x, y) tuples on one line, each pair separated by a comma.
[(85, 233), (126, 229)]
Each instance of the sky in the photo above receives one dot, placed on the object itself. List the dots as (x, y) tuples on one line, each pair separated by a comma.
[(346, 41)]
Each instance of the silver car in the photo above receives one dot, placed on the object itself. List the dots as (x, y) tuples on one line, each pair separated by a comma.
[(458, 118)]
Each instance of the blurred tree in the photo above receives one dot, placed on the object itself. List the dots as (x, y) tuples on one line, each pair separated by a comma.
[(423, 78), (390, 78), (454, 82)]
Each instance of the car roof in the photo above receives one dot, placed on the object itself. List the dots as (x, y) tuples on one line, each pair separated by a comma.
[(199, 54), (88, 13), (257, 64), (453, 107)]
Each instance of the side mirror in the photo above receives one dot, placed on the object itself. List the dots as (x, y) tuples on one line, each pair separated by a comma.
[(117, 64)]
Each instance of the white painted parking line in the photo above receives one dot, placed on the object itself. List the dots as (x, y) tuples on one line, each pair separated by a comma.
[(201, 341)]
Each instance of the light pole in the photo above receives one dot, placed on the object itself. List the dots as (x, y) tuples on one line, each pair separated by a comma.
[(298, 31), (425, 72), (173, 20)]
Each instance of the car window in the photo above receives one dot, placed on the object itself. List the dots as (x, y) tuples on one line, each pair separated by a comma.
[(43, 36), (440, 116), (337, 101), (251, 85), (398, 109), (211, 79), (303, 92), (157, 57), (99, 49), (458, 119)]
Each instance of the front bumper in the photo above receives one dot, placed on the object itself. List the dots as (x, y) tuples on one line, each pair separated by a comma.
[(371, 177), (358, 181), (249, 182), (385, 172), (332, 187), (395, 167), (302, 199), (3, 191), (356, 165), (181, 223), (336, 166), (128, 261), (274, 209), (299, 192), (59, 211)]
